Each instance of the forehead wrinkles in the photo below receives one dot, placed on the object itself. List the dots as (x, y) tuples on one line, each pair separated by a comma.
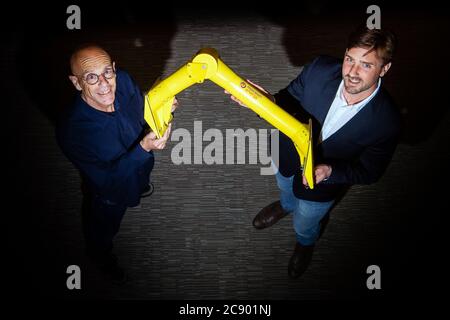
[(91, 63)]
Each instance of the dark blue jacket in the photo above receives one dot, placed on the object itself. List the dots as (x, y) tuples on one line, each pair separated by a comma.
[(359, 152), (105, 146)]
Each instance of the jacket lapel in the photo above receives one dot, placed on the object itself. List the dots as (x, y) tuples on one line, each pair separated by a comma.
[(359, 123), (326, 100), (329, 94)]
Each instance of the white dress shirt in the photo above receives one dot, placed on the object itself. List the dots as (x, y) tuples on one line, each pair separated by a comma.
[(341, 112)]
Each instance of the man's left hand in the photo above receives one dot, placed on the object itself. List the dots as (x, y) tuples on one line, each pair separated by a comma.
[(321, 172)]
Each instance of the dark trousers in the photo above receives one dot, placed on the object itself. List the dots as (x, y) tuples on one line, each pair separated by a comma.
[(101, 222)]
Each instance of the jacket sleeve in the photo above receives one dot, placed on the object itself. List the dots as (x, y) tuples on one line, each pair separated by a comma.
[(291, 98), (298, 86), (109, 178), (291, 105), (134, 87), (370, 165)]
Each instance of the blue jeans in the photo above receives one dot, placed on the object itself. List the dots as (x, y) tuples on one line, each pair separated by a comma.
[(306, 214)]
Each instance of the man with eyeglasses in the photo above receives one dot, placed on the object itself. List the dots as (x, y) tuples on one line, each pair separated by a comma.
[(104, 135)]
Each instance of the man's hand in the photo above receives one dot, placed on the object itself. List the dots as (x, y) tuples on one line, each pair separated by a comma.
[(149, 142), (264, 91), (321, 172)]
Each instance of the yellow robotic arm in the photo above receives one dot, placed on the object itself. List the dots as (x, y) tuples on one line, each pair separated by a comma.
[(206, 64)]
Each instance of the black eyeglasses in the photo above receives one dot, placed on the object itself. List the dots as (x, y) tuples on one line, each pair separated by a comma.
[(92, 78)]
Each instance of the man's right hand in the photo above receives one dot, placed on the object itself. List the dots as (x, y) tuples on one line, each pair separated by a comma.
[(264, 91), (149, 142)]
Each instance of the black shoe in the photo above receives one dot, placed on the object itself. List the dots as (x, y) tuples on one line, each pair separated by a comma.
[(300, 260), (269, 215), (148, 191)]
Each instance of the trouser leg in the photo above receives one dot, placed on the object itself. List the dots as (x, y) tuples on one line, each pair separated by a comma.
[(307, 217)]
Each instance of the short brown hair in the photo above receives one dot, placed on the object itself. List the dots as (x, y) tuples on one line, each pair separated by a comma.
[(381, 40)]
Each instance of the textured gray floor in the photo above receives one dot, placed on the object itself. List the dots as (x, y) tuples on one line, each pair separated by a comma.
[(193, 239)]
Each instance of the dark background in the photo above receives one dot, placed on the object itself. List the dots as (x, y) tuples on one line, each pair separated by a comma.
[(193, 239)]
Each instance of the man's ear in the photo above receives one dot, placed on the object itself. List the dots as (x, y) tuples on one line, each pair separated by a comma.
[(75, 82), (385, 69)]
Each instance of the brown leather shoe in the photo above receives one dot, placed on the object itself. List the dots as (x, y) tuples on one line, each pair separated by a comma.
[(300, 260), (269, 215)]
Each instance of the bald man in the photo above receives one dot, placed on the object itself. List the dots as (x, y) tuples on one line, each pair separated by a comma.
[(105, 136)]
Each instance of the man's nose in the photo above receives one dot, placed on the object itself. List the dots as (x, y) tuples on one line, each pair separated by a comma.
[(102, 78), (353, 70)]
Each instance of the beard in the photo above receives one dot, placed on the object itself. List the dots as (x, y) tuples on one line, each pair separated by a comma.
[(355, 88)]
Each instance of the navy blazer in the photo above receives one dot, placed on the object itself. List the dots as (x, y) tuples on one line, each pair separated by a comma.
[(358, 153), (105, 146)]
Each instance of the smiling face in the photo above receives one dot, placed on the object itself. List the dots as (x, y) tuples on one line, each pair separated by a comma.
[(87, 64), (361, 70)]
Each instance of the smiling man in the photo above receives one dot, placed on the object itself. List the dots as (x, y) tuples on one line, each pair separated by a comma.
[(105, 136), (355, 129)]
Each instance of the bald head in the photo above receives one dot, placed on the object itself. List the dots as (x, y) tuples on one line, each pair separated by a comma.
[(93, 73), (87, 58)]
